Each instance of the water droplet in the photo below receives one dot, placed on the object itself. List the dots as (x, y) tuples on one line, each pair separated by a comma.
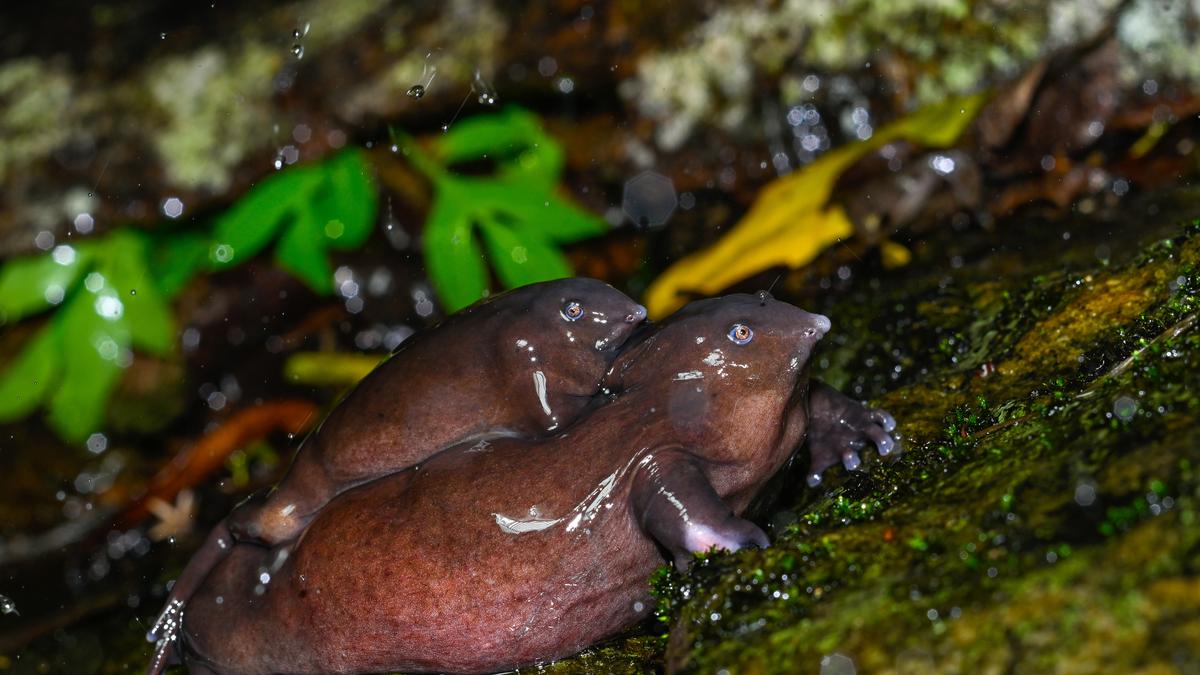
[(487, 95), (44, 240), (837, 664), (97, 443), (649, 199), (1125, 407), (1085, 494), (416, 91), (222, 253), (298, 50), (172, 207), (296, 34), (63, 255), (84, 223)]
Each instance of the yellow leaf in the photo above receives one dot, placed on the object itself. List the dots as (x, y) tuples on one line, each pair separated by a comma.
[(791, 222), (894, 255), (329, 369)]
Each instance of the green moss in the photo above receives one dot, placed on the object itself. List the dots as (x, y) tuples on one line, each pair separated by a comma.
[(1034, 523)]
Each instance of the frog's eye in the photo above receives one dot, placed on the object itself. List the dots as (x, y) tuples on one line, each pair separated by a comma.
[(740, 333), (572, 311)]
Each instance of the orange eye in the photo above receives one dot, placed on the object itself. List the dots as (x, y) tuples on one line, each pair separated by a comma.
[(740, 333), (572, 311)]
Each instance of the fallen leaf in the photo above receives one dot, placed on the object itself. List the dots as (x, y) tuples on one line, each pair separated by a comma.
[(791, 222)]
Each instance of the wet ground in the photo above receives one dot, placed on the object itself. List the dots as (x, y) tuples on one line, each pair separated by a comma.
[(1044, 515)]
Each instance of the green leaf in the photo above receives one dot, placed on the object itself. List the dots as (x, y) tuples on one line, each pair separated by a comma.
[(175, 257), (348, 196), (541, 212), (91, 348), (513, 138), (516, 211), (453, 258), (522, 260), (144, 310), (301, 251), (28, 377), (28, 284), (250, 224)]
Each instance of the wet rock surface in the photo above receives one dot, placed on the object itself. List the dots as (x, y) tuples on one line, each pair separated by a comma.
[(1044, 511)]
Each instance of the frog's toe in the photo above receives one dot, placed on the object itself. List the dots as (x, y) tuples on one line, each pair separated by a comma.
[(882, 440), (851, 460), (883, 418), (841, 428)]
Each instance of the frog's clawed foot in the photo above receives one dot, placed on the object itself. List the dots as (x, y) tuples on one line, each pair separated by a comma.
[(840, 427)]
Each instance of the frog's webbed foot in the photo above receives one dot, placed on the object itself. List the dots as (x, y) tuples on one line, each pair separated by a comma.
[(840, 427)]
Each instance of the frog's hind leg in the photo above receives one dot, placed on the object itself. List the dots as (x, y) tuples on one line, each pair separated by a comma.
[(212, 551), (840, 427)]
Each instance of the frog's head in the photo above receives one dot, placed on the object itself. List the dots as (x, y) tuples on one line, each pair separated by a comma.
[(734, 366), (564, 334)]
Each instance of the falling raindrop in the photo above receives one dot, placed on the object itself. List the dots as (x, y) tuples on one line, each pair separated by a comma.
[(487, 95), (416, 91), (8, 606), (298, 50)]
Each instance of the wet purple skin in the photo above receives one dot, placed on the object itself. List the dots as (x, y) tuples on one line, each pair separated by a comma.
[(493, 555), (524, 363)]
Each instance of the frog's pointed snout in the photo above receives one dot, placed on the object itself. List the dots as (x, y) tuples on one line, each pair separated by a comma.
[(816, 326), (638, 315), (822, 324)]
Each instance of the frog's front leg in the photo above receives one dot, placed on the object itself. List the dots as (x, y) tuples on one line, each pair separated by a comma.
[(840, 427), (675, 504)]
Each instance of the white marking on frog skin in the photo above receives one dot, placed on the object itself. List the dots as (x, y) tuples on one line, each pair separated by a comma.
[(585, 511), (715, 358), (670, 496), (699, 339), (523, 525), (288, 510), (521, 342), (597, 496), (539, 385), (480, 446), (689, 375)]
